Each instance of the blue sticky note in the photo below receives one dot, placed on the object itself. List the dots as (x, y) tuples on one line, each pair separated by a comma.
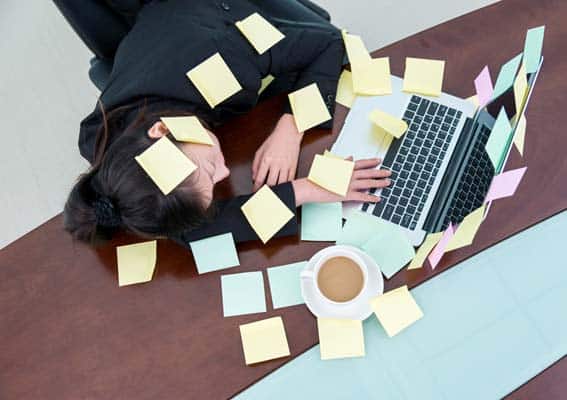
[(285, 284), (532, 48), (358, 228), (214, 253), (506, 76), (499, 139), (390, 248), (243, 293), (321, 221)]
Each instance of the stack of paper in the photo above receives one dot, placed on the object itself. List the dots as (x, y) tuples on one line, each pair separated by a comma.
[(264, 340), (260, 33), (187, 129), (308, 107), (136, 262), (332, 174), (396, 310), (423, 76), (214, 253), (340, 338)]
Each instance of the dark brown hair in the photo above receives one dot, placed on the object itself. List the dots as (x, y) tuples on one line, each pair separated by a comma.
[(117, 178)]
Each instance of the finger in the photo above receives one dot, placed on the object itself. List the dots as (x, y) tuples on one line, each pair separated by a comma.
[(364, 184), (349, 158), (367, 163), (363, 197), (371, 173), (256, 163), (262, 174), (284, 175), (273, 176), (292, 171)]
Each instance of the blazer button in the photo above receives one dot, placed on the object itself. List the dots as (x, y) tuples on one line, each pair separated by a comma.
[(330, 98), (225, 6)]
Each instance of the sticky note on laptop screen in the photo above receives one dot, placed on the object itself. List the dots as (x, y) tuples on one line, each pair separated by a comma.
[(532, 48), (308, 107), (498, 140), (165, 164), (187, 129), (506, 76), (214, 80), (266, 213), (396, 310), (331, 174), (136, 262), (423, 76), (264, 340), (340, 338), (214, 253), (260, 33), (467, 229)]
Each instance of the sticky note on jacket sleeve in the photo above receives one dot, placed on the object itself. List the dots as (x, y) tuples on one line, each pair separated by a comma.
[(259, 32), (308, 107), (387, 123)]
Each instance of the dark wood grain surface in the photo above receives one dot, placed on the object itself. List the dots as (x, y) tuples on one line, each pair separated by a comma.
[(68, 332)]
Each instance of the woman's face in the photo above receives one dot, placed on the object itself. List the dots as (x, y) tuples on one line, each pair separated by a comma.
[(209, 159)]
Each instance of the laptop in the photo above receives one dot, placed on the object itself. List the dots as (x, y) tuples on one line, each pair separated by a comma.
[(440, 168)]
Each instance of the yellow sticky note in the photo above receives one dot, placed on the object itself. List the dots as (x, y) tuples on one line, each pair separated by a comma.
[(265, 82), (260, 33), (332, 174), (165, 164), (345, 93), (214, 80), (520, 135), (136, 262), (266, 213), (396, 310), (264, 340), (308, 107), (327, 153), (340, 338), (428, 244), (187, 129), (423, 76), (520, 89), (473, 99), (355, 48), (388, 123), (373, 77), (466, 231)]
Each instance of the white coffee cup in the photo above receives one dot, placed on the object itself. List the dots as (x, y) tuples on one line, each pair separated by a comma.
[(332, 252)]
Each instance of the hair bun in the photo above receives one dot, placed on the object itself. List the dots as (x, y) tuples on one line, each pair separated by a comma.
[(106, 213)]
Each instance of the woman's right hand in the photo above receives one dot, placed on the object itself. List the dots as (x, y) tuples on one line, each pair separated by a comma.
[(364, 177)]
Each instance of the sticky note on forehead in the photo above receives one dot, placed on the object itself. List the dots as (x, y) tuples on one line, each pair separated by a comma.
[(165, 164), (260, 33), (308, 107), (332, 174), (266, 213), (214, 80), (423, 76), (136, 262), (187, 129)]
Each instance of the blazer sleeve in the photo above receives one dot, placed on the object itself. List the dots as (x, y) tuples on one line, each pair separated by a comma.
[(229, 218), (316, 54)]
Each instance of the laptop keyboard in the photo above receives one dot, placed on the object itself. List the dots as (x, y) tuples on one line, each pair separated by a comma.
[(414, 160)]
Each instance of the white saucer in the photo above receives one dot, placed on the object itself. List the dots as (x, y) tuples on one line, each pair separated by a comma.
[(359, 309)]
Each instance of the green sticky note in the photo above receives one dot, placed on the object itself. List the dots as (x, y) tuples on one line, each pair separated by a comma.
[(358, 228), (390, 248), (243, 293), (214, 253), (506, 76), (285, 284), (499, 138), (532, 48), (321, 221)]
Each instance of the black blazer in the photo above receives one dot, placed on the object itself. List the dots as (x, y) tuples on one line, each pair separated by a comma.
[(170, 37)]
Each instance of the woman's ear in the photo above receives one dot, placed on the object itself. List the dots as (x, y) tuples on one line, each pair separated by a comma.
[(157, 130)]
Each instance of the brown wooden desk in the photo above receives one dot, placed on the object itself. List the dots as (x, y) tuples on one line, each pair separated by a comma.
[(68, 332)]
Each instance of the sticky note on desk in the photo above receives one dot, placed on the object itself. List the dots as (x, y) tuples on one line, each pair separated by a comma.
[(340, 338), (264, 340), (506, 76), (356, 50), (214, 253), (498, 140), (331, 174), (532, 48), (466, 231), (505, 184), (396, 310), (345, 92), (428, 244), (372, 78), (259, 32), (187, 129), (423, 76), (483, 86), (214, 80), (390, 248), (308, 107), (387, 123), (321, 221), (359, 227), (243, 293), (266, 213), (165, 164), (136, 262), (520, 134), (440, 247), (285, 285)]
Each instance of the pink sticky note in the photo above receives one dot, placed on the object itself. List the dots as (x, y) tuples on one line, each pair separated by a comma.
[(484, 88), (505, 184), (439, 249)]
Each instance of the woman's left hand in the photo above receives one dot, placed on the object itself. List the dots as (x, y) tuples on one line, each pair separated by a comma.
[(276, 160)]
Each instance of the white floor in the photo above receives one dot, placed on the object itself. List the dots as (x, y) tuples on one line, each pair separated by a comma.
[(45, 93)]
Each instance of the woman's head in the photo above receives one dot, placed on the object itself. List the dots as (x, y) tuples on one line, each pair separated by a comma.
[(117, 192)]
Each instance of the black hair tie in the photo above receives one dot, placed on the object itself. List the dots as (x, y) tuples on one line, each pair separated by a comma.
[(106, 213)]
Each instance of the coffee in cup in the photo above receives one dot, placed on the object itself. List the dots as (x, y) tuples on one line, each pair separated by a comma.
[(340, 279)]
